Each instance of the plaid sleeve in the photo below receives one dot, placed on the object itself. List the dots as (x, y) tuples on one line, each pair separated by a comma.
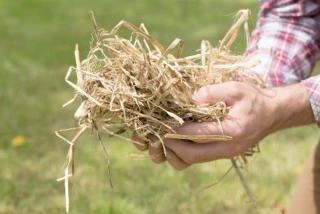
[(286, 41), (313, 87)]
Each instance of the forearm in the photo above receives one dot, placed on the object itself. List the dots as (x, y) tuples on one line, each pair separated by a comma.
[(290, 106)]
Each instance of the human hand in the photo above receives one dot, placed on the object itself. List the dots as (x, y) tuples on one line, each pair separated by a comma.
[(254, 114)]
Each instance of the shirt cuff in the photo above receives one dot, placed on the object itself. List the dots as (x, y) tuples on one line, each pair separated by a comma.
[(312, 85)]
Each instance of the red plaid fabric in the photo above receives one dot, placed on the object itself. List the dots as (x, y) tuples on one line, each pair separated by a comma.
[(286, 40)]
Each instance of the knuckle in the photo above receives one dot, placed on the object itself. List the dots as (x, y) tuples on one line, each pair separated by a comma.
[(236, 85), (236, 89)]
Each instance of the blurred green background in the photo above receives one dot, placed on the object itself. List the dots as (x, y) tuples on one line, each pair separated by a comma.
[(37, 40)]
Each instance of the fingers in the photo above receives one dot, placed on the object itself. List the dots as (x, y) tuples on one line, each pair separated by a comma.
[(182, 153), (156, 154), (192, 153), (227, 127), (176, 162), (139, 142), (211, 94)]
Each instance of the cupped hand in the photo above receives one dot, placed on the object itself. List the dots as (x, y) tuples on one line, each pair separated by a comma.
[(254, 113)]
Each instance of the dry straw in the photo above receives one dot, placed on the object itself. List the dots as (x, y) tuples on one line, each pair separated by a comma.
[(137, 84)]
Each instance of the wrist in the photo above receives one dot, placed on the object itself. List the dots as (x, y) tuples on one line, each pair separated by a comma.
[(289, 106)]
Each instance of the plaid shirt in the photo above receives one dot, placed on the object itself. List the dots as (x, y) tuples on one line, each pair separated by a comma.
[(286, 40)]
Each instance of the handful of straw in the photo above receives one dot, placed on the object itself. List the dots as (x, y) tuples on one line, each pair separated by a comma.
[(137, 84)]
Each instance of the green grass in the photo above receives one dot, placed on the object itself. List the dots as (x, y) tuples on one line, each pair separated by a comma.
[(37, 41)]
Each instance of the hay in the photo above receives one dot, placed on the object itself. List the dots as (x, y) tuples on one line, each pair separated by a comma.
[(137, 84)]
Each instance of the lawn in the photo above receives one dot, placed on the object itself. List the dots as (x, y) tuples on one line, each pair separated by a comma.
[(37, 40)]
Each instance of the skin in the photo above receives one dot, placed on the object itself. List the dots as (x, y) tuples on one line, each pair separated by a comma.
[(255, 113)]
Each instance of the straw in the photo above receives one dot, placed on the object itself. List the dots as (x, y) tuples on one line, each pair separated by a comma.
[(137, 84)]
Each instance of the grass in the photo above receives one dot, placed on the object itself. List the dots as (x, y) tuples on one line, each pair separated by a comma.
[(37, 39)]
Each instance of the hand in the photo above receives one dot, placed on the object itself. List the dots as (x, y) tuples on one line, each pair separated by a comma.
[(254, 114)]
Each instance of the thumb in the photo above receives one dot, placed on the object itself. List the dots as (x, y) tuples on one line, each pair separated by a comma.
[(211, 94)]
